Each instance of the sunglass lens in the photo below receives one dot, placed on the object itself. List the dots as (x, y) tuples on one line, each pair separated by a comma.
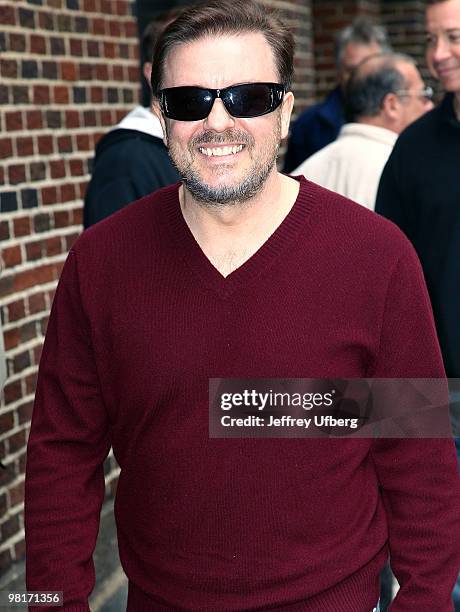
[(187, 103), (250, 100)]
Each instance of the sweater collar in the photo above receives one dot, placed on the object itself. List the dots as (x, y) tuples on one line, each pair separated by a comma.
[(282, 238), (448, 111)]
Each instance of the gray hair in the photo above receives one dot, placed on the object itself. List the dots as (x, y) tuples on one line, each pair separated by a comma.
[(361, 32), (371, 81)]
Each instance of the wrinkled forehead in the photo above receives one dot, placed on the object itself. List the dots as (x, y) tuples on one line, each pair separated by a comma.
[(218, 61)]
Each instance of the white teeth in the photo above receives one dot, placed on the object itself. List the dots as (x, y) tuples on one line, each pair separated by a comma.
[(218, 151)]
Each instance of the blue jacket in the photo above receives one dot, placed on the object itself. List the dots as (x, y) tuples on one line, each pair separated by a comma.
[(315, 128)]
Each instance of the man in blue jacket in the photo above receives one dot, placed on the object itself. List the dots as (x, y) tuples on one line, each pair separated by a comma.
[(320, 124)]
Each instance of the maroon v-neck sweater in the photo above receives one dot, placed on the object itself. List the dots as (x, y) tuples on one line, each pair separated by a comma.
[(141, 320)]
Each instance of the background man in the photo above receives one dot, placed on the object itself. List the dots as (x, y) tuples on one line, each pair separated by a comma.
[(319, 125), (420, 188), (131, 160), (383, 96), (239, 271)]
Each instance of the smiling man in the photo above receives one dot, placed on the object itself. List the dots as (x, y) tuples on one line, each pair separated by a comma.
[(238, 272)]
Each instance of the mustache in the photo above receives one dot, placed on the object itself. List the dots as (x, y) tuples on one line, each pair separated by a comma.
[(227, 137)]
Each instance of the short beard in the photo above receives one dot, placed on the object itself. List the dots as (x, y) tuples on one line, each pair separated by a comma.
[(226, 195)]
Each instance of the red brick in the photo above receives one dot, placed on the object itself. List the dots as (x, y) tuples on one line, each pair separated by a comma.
[(76, 47), (2, 175), (68, 193), (45, 145), (82, 189), (21, 227), (7, 15), (131, 29), (16, 494), (6, 421), (37, 353), (37, 302), (89, 6), (102, 72), (133, 74), (76, 167), (12, 256), (6, 148), (97, 94), (83, 142), (16, 174), (61, 94), (17, 42), (12, 392), (114, 29), (25, 146), (49, 195), (106, 117), (69, 71), (37, 44), (25, 412), (109, 49), (118, 73), (9, 68), (72, 119), (61, 219), (17, 441), (39, 275), (53, 246), (57, 169), (64, 144), (16, 310), (28, 332), (34, 250), (34, 120), (9, 527), (12, 340), (78, 216), (14, 121), (41, 94)]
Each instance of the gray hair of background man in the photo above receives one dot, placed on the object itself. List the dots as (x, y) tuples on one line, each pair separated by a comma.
[(366, 90), (361, 32), (224, 17)]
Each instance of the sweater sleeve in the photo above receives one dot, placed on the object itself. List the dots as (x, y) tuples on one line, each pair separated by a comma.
[(418, 477), (69, 440)]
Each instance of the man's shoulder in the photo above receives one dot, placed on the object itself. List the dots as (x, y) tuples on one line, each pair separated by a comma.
[(118, 141), (357, 228), (139, 222), (423, 129)]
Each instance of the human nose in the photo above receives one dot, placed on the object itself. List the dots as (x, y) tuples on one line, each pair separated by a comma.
[(219, 119)]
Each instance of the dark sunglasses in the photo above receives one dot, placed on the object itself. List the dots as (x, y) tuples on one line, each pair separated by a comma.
[(195, 103)]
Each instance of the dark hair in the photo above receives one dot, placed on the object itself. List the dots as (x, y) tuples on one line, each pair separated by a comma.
[(219, 17), (371, 81), (361, 32)]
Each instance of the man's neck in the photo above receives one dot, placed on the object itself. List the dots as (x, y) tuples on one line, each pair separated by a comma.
[(230, 235)]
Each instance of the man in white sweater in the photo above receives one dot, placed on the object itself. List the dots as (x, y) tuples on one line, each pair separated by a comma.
[(383, 96)]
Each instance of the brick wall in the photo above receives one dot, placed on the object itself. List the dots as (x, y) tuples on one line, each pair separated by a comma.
[(69, 71)]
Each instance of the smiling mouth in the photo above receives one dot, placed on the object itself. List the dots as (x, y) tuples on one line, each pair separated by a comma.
[(221, 151)]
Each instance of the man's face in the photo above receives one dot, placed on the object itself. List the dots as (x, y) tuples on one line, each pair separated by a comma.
[(413, 102), (443, 43), (353, 54), (211, 171)]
